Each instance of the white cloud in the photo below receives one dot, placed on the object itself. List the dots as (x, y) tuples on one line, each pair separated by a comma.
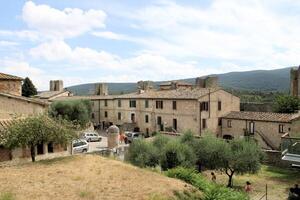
[(22, 34), (8, 43), (109, 35), (226, 30), (67, 23)]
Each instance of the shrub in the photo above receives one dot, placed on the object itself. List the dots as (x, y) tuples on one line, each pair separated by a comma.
[(142, 154), (160, 141), (176, 154), (211, 191)]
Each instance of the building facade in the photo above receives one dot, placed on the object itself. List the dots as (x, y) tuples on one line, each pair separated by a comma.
[(266, 127), (173, 108), (13, 105)]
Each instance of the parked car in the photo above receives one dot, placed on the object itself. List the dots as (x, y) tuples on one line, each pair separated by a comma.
[(80, 146), (91, 136), (130, 136)]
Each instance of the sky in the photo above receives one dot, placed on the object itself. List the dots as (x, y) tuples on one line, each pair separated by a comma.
[(127, 41)]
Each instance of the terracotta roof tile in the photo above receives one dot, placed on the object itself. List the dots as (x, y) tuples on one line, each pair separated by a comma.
[(9, 77), (262, 116)]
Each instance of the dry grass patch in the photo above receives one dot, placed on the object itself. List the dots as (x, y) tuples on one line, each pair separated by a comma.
[(85, 177), (278, 180)]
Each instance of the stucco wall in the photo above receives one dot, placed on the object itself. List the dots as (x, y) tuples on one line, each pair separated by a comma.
[(10, 107)]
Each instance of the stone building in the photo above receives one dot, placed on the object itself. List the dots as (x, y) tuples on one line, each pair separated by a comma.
[(266, 127), (56, 90), (10, 84), (13, 105), (173, 107)]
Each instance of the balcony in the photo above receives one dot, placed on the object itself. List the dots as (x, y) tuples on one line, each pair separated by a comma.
[(290, 149)]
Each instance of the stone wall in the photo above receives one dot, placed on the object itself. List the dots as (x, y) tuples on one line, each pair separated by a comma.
[(13, 87), (187, 112), (268, 129)]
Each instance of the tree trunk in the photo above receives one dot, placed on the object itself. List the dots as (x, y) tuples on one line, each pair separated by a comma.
[(230, 177), (32, 152), (199, 166)]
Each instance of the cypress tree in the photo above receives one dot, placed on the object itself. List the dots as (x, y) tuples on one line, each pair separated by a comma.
[(28, 89)]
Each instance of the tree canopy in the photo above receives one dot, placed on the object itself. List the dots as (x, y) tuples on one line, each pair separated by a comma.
[(28, 89), (76, 111), (286, 104), (35, 130)]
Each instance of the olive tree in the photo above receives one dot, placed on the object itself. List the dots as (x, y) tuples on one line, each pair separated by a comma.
[(243, 156), (76, 111), (238, 156), (35, 130)]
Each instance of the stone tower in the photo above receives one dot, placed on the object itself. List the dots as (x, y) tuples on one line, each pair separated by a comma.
[(56, 85), (207, 82), (101, 89), (294, 81)]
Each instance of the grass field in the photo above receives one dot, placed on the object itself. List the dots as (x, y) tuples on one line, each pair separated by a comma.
[(84, 177), (278, 180)]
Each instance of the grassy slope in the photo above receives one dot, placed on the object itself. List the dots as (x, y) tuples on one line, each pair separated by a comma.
[(278, 180), (84, 177)]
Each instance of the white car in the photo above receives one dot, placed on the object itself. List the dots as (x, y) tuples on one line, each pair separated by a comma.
[(132, 136), (80, 146), (91, 136)]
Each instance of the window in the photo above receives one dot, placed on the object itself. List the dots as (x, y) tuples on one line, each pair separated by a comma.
[(159, 105), (105, 102), (204, 106), (132, 103), (204, 125), (146, 118), (251, 127), (146, 103), (174, 105), (119, 116), (93, 115), (159, 120), (132, 117), (119, 103), (281, 128), (220, 121), (175, 124), (219, 105), (105, 114), (229, 123)]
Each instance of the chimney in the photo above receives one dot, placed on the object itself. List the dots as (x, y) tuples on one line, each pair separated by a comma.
[(56, 85), (101, 89)]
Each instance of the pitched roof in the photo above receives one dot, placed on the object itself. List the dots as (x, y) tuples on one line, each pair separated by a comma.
[(92, 97), (36, 101), (49, 94), (9, 77), (262, 116), (180, 93)]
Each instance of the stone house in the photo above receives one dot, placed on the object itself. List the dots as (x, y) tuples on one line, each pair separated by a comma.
[(175, 108), (266, 127), (13, 105)]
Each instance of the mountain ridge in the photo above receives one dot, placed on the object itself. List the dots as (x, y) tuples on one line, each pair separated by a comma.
[(277, 80)]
